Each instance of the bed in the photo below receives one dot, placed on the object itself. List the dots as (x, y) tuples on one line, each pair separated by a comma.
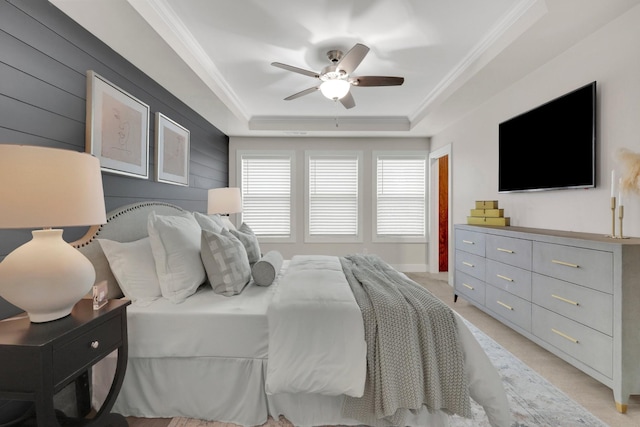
[(296, 348)]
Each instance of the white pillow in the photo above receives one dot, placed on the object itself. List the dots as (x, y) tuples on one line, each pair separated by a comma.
[(133, 266), (175, 243), (209, 222), (227, 222)]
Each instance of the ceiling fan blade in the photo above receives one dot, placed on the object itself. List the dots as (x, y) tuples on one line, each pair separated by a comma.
[(302, 93), (353, 58), (377, 81), (295, 69), (348, 101)]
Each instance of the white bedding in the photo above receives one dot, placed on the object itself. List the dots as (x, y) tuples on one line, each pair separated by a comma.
[(206, 358), (316, 331), (205, 324)]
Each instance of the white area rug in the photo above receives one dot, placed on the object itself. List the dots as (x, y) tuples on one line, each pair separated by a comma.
[(533, 400)]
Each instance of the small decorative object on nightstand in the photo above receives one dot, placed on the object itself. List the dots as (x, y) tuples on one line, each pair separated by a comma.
[(100, 291), (39, 359)]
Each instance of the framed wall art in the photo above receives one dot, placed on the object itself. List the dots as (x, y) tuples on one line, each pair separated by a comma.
[(117, 128), (172, 151)]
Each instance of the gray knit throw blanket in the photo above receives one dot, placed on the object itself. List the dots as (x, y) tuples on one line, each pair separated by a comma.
[(414, 356)]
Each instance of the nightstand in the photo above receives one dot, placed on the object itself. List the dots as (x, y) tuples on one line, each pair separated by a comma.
[(37, 360)]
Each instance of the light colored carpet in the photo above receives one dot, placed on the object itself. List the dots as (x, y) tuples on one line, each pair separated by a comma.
[(532, 399)]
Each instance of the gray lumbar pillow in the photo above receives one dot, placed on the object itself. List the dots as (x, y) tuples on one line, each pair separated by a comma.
[(225, 261), (264, 271)]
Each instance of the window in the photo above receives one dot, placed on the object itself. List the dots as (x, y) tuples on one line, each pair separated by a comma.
[(266, 182), (400, 199), (333, 202)]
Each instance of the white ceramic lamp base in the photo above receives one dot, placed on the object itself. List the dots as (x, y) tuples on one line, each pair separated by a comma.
[(46, 276)]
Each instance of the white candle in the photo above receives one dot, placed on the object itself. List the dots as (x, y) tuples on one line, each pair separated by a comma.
[(613, 183), (620, 192)]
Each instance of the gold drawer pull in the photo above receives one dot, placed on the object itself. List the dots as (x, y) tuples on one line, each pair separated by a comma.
[(467, 286), (468, 264), (555, 261), (505, 277), (468, 242), (509, 251), (95, 344), (564, 299), (565, 336), (508, 307)]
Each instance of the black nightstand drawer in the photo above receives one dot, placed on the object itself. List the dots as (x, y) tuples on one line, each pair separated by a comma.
[(88, 348)]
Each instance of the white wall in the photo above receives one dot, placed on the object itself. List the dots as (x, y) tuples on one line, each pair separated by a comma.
[(405, 256), (610, 56)]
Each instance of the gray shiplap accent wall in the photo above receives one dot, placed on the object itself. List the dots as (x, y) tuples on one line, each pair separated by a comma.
[(44, 57)]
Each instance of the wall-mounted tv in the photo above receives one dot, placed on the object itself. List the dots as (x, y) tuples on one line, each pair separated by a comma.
[(550, 147)]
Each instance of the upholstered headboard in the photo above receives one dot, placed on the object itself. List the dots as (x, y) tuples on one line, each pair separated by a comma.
[(125, 224)]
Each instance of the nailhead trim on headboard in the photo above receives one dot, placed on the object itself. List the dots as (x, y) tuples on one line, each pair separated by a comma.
[(94, 231)]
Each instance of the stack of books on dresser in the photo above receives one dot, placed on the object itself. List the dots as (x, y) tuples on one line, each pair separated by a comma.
[(487, 212)]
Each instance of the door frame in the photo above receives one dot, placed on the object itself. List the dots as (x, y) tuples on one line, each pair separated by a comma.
[(432, 257)]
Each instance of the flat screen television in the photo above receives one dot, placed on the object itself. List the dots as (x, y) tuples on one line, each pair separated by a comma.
[(550, 147)]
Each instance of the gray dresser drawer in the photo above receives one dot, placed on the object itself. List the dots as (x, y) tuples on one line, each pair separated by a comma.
[(587, 345), (509, 307), (509, 250), (473, 265), (470, 241), (469, 287), (509, 278), (588, 267), (584, 305)]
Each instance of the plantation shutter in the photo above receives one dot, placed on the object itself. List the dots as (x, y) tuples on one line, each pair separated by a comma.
[(401, 195), (266, 194), (333, 195)]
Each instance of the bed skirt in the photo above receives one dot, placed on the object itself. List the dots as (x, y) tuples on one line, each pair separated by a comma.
[(229, 390)]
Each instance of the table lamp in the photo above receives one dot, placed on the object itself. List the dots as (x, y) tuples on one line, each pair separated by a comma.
[(224, 201), (44, 188)]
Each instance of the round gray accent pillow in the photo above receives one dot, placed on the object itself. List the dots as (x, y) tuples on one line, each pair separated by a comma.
[(265, 270)]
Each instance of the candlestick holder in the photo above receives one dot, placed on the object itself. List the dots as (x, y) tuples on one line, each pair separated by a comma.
[(613, 218), (620, 217)]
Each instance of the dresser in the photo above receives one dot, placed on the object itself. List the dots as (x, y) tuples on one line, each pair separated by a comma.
[(39, 359), (575, 294)]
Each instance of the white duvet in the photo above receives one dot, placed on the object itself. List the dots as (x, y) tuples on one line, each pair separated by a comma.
[(316, 332), (316, 340)]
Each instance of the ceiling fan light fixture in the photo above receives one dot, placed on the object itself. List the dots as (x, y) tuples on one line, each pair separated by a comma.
[(337, 78), (335, 89)]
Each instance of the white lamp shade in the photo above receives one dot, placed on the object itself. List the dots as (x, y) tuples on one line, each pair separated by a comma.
[(335, 89), (224, 201), (48, 187)]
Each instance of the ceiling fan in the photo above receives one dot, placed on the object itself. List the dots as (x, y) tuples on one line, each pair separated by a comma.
[(336, 79)]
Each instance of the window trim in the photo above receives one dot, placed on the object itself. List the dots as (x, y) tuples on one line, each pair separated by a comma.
[(358, 238), (292, 175), (375, 238)]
